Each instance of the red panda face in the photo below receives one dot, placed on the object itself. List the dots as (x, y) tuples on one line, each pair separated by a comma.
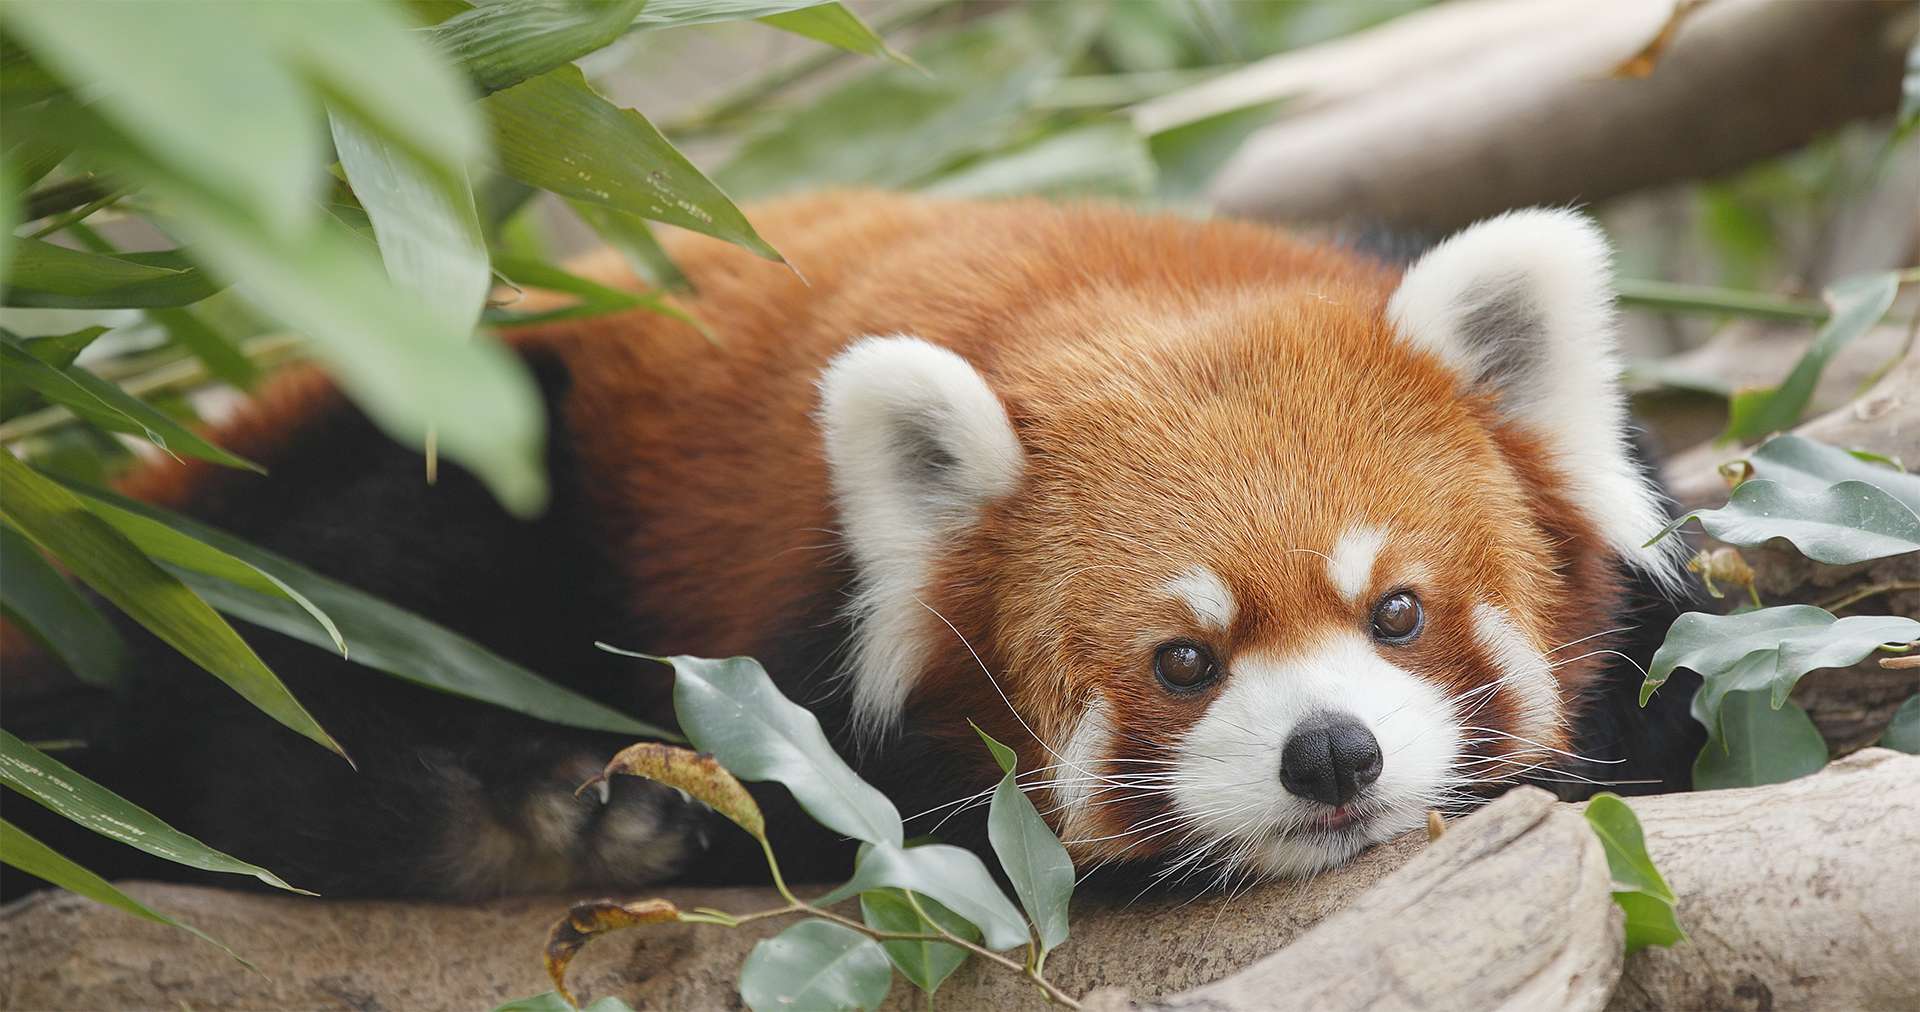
[(1261, 583)]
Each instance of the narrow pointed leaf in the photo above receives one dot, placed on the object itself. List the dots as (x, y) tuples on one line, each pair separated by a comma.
[(105, 560), (214, 349), (1857, 304), (379, 635), (43, 275), (19, 850), (57, 351), (926, 964), (1032, 857), (949, 874), (816, 965), (1107, 158), (501, 44), (53, 784), (630, 234), (1754, 743), (428, 230), (555, 132), (109, 407), (732, 709), (835, 25), (34, 594)]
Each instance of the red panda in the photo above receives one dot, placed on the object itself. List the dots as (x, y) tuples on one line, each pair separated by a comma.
[(1254, 547)]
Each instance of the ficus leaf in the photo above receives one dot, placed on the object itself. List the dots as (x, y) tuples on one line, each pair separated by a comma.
[(1754, 743), (816, 965), (1638, 887), (949, 874), (1903, 732), (1848, 522), (1808, 466), (1029, 852), (1768, 648), (926, 963), (694, 772)]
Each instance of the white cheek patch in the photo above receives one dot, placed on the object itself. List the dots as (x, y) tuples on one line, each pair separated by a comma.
[(1227, 786), (1525, 675), (1350, 565), (1075, 780), (1206, 596)]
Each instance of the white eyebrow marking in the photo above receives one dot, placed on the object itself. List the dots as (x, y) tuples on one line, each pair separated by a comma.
[(1523, 670), (1203, 592), (1350, 567)]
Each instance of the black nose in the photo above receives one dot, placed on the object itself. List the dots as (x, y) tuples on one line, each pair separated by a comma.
[(1329, 759)]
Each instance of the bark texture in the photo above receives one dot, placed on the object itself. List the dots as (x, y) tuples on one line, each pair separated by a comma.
[(1482, 107), (1795, 895)]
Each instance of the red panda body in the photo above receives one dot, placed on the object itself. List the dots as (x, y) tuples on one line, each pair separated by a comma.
[(1254, 548)]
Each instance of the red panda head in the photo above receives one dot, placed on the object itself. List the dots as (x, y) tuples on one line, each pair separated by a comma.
[(1256, 578)]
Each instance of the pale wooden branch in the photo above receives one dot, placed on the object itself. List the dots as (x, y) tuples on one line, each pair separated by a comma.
[(1800, 891), (1480, 107)]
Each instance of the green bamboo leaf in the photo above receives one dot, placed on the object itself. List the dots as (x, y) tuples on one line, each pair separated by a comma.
[(732, 709), (1755, 744), (109, 407), (816, 965), (57, 351), (926, 964), (209, 344), (53, 784), (44, 275), (630, 234), (1106, 158), (501, 44), (428, 231), (1903, 732), (1032, 857), (377, 634), (835, 25), (19, 850), (1857, 304), (949, 874), (1188, 156), (897, 126), (35, 595), (105, 560), (1638, 887), (555, 132), (1851, 521)]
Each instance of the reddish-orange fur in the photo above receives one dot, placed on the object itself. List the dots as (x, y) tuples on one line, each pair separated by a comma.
[(1105, 333)]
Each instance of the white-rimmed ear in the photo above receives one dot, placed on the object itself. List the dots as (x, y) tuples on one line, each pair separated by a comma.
[(916, 443), (1522, 305)]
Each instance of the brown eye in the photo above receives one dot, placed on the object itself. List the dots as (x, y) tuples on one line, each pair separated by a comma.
[(1184, 667), (1397, 618)]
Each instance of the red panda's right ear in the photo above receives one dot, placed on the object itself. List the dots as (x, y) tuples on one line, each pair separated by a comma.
[(915, 443)]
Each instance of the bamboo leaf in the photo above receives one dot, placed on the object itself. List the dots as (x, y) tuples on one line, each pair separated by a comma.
[(58, 351), (1106, 158), (101, 557), (19, 850), (555, 132), (35, 595), (1857, 304), (109, 407), (502, 44), (835, 25), (44, 275), (63, 790)]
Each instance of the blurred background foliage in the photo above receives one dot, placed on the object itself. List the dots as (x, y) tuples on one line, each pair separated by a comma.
[(198, 193)]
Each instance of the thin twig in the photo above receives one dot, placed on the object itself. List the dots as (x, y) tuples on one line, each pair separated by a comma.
[(1871, 590)]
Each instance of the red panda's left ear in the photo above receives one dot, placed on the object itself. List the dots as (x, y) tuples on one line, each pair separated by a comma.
[(1522, 305)]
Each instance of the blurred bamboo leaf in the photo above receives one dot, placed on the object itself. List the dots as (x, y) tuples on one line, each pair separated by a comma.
[(43, 275), (502, 44), (22, 851), (63, 790), (630, 234), (1857, 304), (555, 132), (1188, 156), (58, 351), (377, 634), (428, 231), (108, 406), (34, 594), (223, 359), (896, 126), (831, 23), (1107, 158), (835, 25), (105, 560), (595, 299)]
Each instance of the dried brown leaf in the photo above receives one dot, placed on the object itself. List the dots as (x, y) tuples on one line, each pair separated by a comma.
[(1642, 63), (697, 773), (596, 917)]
